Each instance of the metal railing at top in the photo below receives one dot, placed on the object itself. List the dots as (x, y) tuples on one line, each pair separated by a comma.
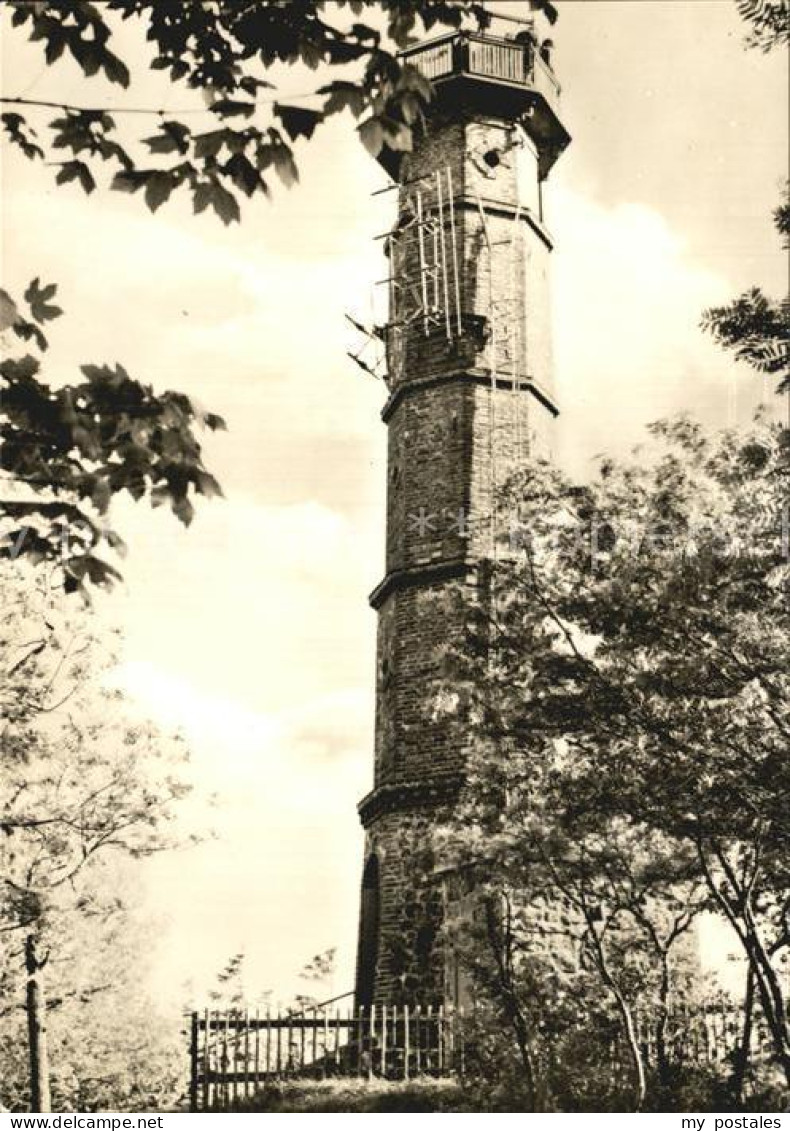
[(484, 55)]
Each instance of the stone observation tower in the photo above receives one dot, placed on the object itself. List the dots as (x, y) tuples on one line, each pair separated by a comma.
[(469, 373)]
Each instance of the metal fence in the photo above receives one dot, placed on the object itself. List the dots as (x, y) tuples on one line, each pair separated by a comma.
[(235, 1052)]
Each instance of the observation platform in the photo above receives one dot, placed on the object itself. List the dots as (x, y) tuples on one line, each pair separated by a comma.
[(491, 74)]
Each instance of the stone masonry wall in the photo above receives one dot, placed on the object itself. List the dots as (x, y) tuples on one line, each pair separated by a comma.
[(411, 966), (454, 436)]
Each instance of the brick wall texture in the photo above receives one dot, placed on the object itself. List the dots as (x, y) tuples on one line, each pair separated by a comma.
[(463, 411)]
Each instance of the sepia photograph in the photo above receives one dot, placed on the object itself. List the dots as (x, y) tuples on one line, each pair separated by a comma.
[(395, 560)]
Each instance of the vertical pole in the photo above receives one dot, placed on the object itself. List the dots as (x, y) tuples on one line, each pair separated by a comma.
[(423, 265), (417, 1040), (247, 1073), (206, 1060), (257, 1069), (406, 1049), (359, 1037), (492, 352), (462, 1050), (225, 1062), (454, 242), (325, 1059), (36, 1007), (234, 1060), (440, 1032), (515, 322), (194, 1063), (443, 244), (383, 1042), (278, 1026), (371, 1043)]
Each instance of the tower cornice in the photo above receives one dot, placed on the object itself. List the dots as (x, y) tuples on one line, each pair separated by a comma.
[(391, 797), (465, 376), (421, 574), (507, 210)]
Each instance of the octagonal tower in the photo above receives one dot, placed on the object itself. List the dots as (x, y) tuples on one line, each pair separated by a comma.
[(470, 396)]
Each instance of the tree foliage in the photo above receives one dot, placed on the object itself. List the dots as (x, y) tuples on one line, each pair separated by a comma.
[(84, 783), (82, 775), (69, 448), (228, 51), (627, 684), (73, 448), (112, 1045), (769, 22), (754, 326)]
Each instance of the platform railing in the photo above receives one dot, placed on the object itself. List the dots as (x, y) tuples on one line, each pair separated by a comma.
[(485, 56)]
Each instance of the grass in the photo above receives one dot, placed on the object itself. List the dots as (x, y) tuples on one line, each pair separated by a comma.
[(360, 1096)]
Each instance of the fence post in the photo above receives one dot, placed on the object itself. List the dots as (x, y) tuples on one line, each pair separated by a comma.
[(384, 1042), (406, 1050), (225, 1087), (193, 1063), (278, 1027), (418, 1040), (257, 1076), (206, 1060), (440, 1034)]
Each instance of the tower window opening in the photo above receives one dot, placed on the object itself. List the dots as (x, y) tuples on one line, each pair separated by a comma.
[(492, 158), (368, 955)]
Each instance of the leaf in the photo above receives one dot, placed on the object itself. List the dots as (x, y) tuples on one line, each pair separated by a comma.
[(285, 165), (371, 134), (158, 189), (211, 193), (101, 494), (232, 107), (224, 204), (206, 484), (245, 176), (342, 96), (19, 369), (298, 122), (114, 539), (209, 144), (116, 70), (129, 180), (36, 297), (27, 330), (55, 44), (183, 510), (8, 311), (172, 138), (397, 134), (76, 171)]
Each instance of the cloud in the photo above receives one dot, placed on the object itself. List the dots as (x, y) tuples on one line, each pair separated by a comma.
[(286, 786), (628, 297)]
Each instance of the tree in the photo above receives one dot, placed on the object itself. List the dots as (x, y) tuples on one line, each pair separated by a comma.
[(583, 919), (756, 327), (126, 436), (68, 450), (113, 1045), (769, 22), (228, 52), (82, 777), (632, 663)]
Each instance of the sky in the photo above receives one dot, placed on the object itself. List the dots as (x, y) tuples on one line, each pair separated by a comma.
[(251, 630)]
